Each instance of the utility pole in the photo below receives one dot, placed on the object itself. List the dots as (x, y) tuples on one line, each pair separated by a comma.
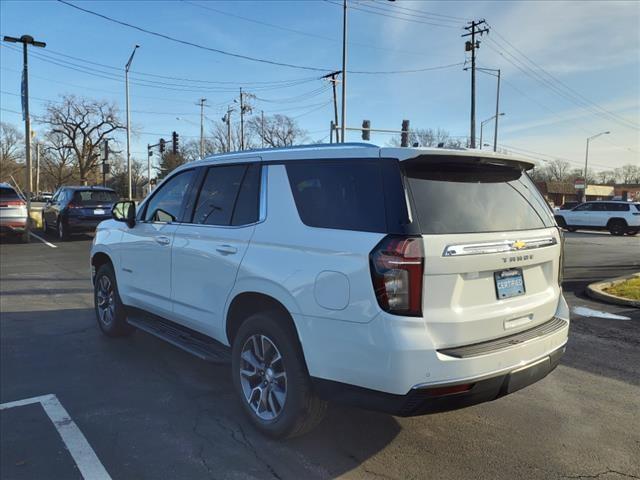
[(471, 46), (241, 121), (344, 70), (26, 40), (495, 130), (126, 81), (332, 77), (227, 119), (202, 101)]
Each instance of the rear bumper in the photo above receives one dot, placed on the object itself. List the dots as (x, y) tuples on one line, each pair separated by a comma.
[(397, 356), (83, 225), (13, 224), (424, 400)]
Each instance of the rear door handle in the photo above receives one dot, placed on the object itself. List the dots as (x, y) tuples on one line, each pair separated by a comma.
[(163, 240), (226, 249)]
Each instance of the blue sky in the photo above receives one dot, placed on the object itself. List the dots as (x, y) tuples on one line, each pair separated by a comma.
[(591, 50)]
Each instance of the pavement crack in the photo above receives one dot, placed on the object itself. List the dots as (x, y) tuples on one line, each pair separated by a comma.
[(599, 474), (257, 455)]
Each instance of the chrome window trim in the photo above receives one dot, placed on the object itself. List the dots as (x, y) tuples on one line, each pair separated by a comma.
[(497, 247)]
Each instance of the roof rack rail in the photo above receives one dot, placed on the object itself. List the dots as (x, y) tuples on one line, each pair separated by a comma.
[(297, 147)]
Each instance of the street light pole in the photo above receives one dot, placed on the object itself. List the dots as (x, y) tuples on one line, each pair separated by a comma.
[(344, 70), (586, 162), (26, 40), (126, 81), (482, 127)]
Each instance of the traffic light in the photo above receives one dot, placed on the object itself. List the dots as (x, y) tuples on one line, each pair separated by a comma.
[(404, 136), (366, 133), (174, 141), (162, 145)]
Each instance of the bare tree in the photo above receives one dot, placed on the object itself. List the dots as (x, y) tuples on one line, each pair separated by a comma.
[(277, 130), (628, 173), (606, 177), (11, 152), (557, 170), (58, 160), (84, 124)]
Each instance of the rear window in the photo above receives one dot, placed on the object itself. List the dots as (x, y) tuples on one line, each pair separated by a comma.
[(618, 207), (93, 196), (8, 193), (349, 194), (455, 196)]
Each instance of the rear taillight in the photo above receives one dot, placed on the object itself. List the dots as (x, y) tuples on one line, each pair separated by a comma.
[(397, 267), (13, 203), (73, 205)]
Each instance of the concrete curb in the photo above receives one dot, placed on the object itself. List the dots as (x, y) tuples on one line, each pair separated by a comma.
[(596, 291)]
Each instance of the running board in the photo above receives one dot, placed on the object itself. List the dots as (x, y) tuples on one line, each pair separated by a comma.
[(190, 341)]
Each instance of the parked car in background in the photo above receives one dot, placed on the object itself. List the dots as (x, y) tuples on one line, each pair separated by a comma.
[(13, 212), (77, 210), (43, 197), (403, 280), (618, 217)]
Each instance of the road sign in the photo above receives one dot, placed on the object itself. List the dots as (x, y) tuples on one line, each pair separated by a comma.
[(579, 184)]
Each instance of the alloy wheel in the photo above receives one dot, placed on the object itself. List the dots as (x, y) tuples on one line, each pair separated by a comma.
[(262, 377), (106, 300)]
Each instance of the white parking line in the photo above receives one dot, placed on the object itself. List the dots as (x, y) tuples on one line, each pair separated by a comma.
[(73, 439), (42, 240)]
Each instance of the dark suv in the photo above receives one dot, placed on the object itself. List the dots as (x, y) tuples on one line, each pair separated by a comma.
[(77, 209)]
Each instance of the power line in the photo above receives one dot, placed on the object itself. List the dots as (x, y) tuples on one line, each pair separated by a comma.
[(231, 54), (570, 90), (394, 10), (433, 14), (369, 10), (300, 32), (535, 75), (193, 44)]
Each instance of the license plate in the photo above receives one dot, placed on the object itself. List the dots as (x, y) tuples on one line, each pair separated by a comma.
[(98, 211), (509, 283)]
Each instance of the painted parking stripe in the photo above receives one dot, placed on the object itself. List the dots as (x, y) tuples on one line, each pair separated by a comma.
[(42, 240), (76, 443)]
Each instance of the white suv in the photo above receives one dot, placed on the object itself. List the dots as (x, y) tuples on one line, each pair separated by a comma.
[(397, 279), (618, 217)]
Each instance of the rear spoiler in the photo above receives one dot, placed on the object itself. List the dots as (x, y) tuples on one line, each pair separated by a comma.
[(442, 154)]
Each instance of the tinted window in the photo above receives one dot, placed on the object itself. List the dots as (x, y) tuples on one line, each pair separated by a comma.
[(637, 205), (599, 207), (218, 195), (94, 196), (584, 207), (345, 195), (8, 193), (452, 196), (166, 203), (247, 207), (617, 207)]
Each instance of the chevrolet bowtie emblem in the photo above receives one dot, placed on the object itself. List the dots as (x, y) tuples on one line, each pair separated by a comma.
[(518, 245)]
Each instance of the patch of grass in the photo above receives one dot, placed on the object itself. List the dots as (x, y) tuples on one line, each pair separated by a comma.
[(627, 289)]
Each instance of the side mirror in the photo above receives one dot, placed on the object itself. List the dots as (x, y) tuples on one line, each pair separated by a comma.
[(125, 212)]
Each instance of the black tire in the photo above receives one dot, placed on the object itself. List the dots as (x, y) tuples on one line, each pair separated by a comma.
[(24, 237), (63, 231), (617, 227), (45, 227), (112, 322), (632, 232), (301, 410), (571, 229)]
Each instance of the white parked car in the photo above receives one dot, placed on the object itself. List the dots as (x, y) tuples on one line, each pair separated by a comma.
[(619, 217), (402, 280), (13, 212)]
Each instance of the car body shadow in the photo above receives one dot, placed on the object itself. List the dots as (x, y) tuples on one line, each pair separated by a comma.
[(167, 407)]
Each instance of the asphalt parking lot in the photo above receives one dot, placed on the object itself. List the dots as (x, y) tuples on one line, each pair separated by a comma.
[(140, 408)]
